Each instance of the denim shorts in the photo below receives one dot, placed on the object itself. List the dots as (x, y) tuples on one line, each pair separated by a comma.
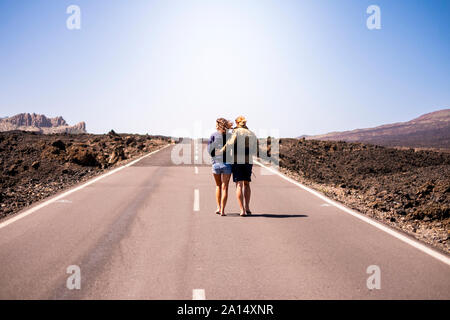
[(219, 168)]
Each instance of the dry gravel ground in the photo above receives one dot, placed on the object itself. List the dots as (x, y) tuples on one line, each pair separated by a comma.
[(34, 166), (406, 189)]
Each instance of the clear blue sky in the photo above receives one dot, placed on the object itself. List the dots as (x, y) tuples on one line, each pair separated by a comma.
[(302, 67)]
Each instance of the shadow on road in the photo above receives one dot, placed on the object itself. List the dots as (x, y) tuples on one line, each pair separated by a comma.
[(268, 215)]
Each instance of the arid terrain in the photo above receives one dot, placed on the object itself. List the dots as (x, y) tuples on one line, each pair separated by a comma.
[(407, 189), (429, 131), (34, 166)]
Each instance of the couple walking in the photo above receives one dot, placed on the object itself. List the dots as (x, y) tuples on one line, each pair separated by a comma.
[(232, 153)]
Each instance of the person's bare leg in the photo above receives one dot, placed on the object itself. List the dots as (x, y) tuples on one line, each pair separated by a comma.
[(240, 196), (247, 194), (223, 203), (218, 181)]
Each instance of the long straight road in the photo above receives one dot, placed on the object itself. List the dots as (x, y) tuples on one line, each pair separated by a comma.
[(149, 231)]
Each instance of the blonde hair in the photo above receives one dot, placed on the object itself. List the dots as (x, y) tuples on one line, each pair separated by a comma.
[(241, 121)]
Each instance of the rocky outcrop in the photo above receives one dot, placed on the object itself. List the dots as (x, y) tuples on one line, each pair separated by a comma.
[(40, 123)]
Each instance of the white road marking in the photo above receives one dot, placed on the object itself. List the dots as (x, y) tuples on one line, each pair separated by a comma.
[(63, 201), (198, 294), (196, 200), (65, 194), (196, 170), (325, 205), (362, 217)]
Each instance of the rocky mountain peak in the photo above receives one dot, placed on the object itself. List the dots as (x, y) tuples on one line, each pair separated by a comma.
[(39, 123)]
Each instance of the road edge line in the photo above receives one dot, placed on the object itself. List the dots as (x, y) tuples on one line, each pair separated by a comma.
[(414, 243), (74, 189)]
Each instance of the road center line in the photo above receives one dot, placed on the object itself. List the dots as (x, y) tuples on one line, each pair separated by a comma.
[(198, 294), (63, 201), (196, 170), (196, 200), (414, 243)]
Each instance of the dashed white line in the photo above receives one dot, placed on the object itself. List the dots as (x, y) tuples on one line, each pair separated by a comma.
[(196, 200), (196, 170), (63, 201), (362, 217), (198, 294)]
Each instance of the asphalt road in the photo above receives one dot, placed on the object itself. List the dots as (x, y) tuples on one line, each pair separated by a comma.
[(136, 234)]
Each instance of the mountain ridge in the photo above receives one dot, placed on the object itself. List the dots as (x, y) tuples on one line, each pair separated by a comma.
[(430, 130), (40, 123)]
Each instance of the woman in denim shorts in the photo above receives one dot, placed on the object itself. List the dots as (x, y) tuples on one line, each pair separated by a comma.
[(220, 168)]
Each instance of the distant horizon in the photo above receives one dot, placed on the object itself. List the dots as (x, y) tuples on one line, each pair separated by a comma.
[(155, 133)]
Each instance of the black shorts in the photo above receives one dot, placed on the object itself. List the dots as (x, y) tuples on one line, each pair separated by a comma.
[(242, 172)]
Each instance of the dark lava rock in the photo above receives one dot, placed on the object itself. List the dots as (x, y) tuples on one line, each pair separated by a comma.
[(12, 170), (130, 140), (59, 144), (112, 133), (117, 155), (35, 165), (84, 157)]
